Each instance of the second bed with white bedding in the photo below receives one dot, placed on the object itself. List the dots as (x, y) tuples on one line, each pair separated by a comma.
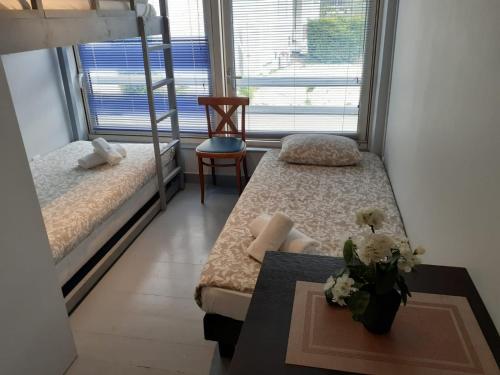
[(322, 201), (75, 202)]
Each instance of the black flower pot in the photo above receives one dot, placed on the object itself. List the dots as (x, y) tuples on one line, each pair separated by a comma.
[(381, 311)]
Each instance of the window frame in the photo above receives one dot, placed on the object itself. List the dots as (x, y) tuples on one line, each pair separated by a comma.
[(361, 135), (220, 52), (140, 133)]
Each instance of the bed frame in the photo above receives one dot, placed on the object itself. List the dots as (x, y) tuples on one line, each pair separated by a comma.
[(224, 330), (77, 287), (39, 28)]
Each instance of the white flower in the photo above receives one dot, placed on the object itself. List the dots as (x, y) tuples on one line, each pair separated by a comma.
[(408, 260), (419, 250), (370, 216), (402, 244), (343, 288), (375, 248), (406, 264), (329, 283)]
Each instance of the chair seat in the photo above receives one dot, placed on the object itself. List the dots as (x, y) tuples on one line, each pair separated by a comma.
[(221, 145)]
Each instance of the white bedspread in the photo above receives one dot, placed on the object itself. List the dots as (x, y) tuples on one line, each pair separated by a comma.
[(322, 201), (75, 201)]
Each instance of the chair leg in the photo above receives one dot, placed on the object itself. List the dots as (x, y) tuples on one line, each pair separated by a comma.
[(238, 174), (213, 170), (245, 169), (202, 179)]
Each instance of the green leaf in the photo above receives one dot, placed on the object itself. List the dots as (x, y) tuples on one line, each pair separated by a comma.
[(405, 292), (357, 303), (395, 258), (358, 285), (349, 251), (340, 272), (362, 273), (329, 296)]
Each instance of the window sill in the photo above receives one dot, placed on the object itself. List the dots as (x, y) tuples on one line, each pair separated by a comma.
[(191, 140)]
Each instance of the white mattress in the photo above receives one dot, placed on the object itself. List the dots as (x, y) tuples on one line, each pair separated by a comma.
[(75, 201), (225, 302)]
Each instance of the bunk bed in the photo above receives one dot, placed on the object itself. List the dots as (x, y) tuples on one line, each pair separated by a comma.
[(38, 24), (92, 216)]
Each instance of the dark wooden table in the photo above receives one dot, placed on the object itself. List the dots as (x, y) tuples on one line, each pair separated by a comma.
[(262, 345)]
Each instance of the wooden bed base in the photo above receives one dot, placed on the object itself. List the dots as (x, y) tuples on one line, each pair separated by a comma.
[(224, 330)]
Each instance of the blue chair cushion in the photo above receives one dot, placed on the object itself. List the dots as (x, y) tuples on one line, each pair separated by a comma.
[(222, 145)]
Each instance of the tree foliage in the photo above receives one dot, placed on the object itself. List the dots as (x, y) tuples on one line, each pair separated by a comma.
[(337, 39)]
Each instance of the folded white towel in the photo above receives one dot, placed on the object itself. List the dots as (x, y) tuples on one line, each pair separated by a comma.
[(94, 159), (271, 237), (295, 242), (106, 151)]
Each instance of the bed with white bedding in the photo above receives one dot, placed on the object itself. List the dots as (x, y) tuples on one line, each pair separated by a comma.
[(83, 208), (322, 202)]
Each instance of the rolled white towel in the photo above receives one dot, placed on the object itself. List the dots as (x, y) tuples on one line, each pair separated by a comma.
[(94, 159), (121, 150), (106, 151), (295, 242), (271, 237), (91, 161)]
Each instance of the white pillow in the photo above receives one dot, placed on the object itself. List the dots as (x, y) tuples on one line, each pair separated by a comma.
[(319, 149)]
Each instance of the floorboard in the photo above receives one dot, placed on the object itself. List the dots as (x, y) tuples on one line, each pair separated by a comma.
[(141, 317)]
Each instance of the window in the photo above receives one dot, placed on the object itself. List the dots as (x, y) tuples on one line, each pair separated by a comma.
[(115, 83), (305, 64)]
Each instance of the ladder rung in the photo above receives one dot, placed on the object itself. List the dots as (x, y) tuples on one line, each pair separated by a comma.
[(169, 146), (165, 116), (162, 83), (159, 46)]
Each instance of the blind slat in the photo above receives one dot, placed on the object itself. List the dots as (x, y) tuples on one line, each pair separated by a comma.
[(301, 62)]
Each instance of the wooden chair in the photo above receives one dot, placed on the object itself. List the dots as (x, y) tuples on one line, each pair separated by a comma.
[(225, 141)]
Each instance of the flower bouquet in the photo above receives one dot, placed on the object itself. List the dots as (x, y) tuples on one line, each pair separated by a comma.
[(371, 284)]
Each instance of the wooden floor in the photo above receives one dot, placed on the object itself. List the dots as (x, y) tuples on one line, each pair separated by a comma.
[(141, 318)]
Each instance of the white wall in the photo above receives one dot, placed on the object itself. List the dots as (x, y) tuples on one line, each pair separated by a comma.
[(38, 95), (443, 136), (35, 334)]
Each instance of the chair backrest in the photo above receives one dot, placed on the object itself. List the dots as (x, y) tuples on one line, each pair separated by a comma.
[(225, 107)]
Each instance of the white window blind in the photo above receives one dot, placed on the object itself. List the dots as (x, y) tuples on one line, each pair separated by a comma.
[(303, 63), (115, 81)]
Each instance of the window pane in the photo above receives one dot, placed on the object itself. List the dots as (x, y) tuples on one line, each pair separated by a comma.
[(301, 62), (114, 71)]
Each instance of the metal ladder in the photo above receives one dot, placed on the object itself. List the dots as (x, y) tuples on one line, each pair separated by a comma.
[(151, 87)]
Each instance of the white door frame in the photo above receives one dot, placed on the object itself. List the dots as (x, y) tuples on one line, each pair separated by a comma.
[(213, 31), (365, 98)]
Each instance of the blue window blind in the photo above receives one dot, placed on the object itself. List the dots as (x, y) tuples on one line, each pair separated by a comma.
[(115, 81)]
